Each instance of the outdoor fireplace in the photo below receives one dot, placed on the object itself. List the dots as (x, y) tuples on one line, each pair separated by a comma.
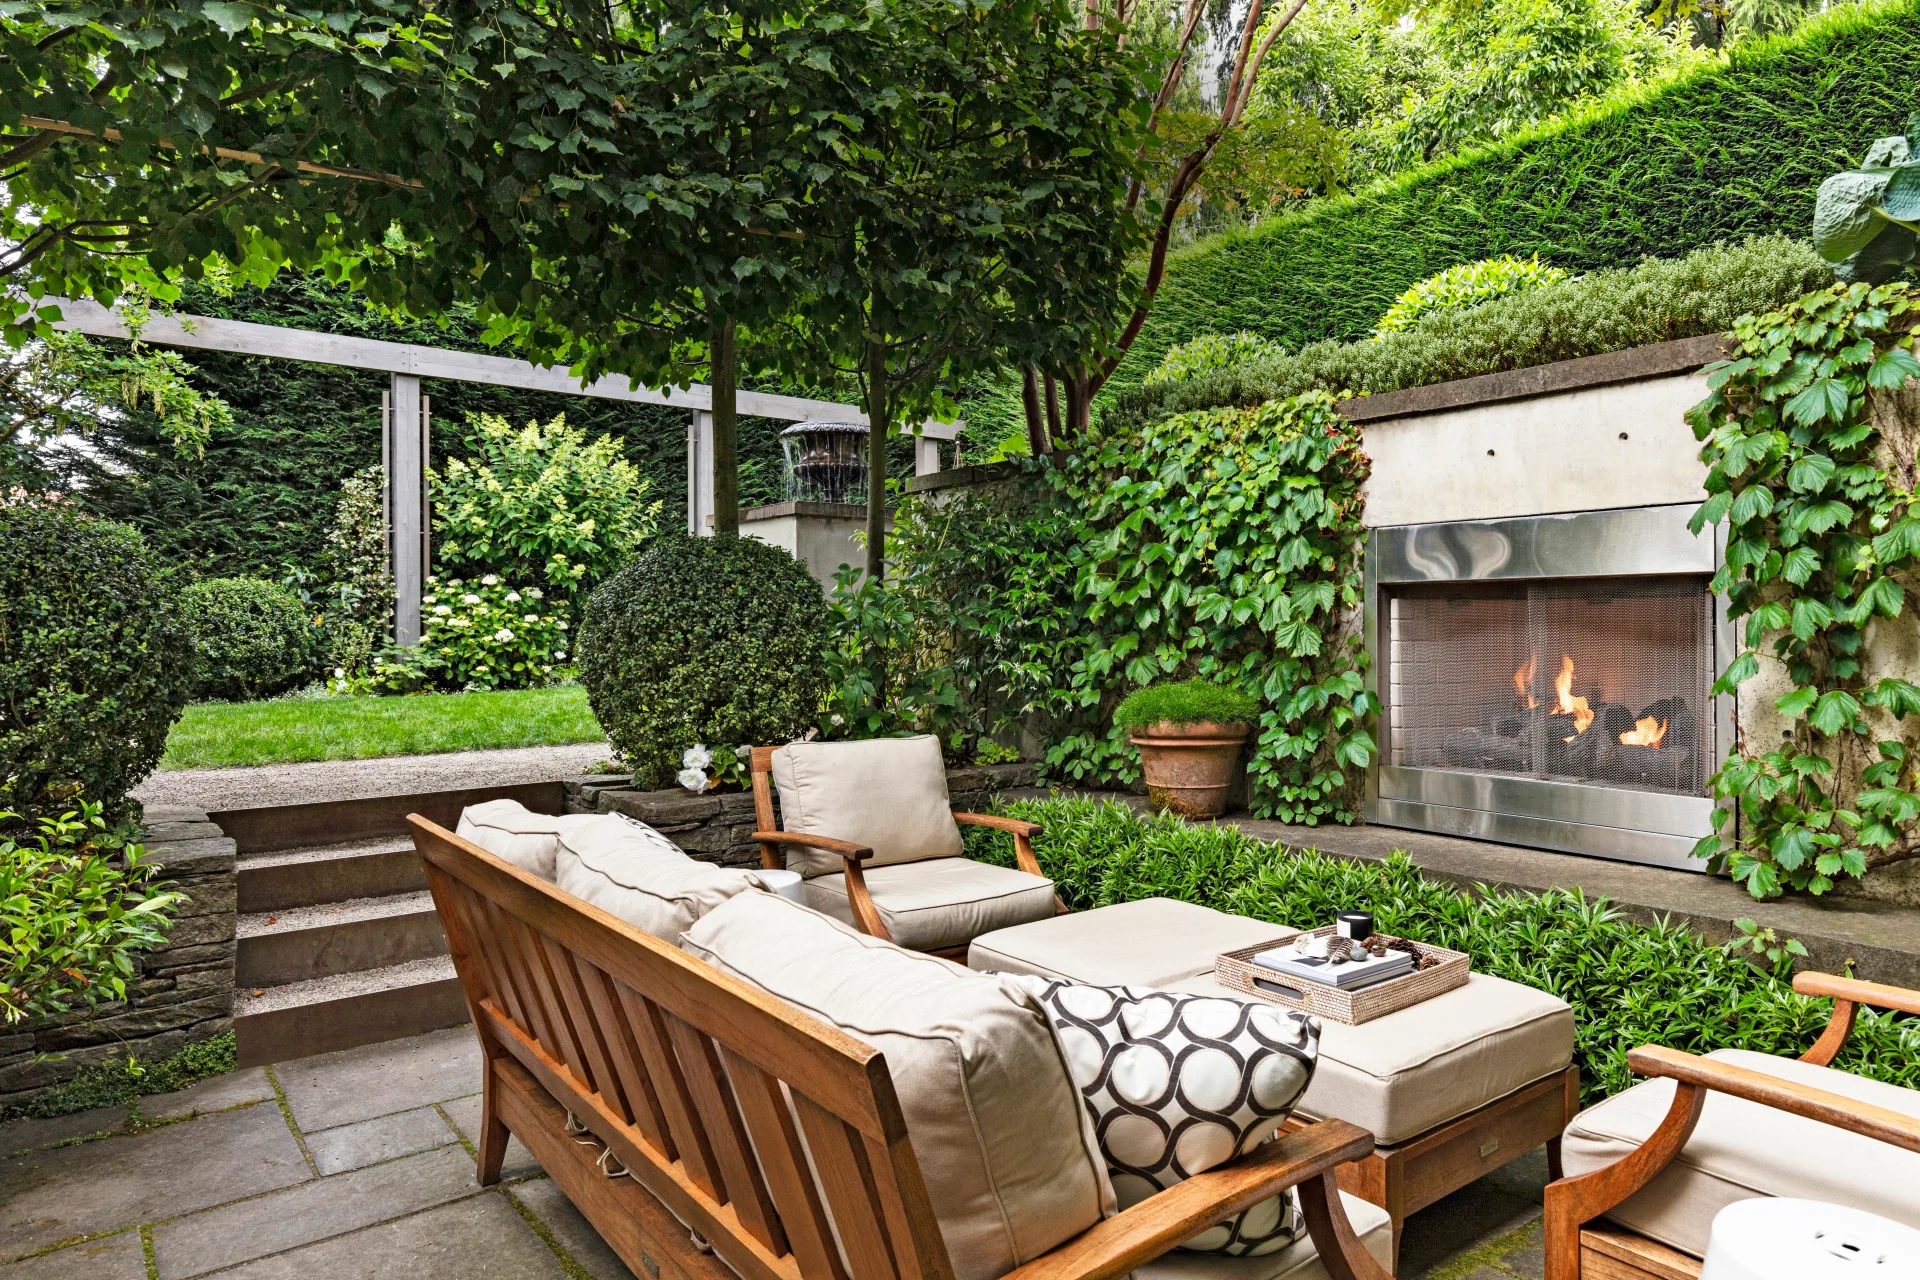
[(1546, 681)]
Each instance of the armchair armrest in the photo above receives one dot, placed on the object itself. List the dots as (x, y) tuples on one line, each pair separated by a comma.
[(1848, 994), (1835, 1109), (826, 844), (1022, 832), (1303, 1157), (865, 914)]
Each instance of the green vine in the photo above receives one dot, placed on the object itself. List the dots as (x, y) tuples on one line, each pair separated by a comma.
[(1811, 455)]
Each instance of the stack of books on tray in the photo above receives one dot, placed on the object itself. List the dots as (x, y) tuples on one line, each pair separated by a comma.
[(1362, 971)]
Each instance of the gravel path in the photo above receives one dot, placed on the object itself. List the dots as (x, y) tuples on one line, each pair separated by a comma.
[(215, 789)]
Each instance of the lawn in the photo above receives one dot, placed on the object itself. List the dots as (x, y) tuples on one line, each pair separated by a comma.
[(216, 735)]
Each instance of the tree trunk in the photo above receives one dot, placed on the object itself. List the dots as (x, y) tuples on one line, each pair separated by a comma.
[(879, 415), (725, 373), (1054, 431), (1030, 401)]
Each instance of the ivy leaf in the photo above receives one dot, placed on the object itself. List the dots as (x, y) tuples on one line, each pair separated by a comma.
[(1891, 371), (1799, 565), (1823, 398), (1712, 511), (1739, 671), (1835, 710), (1899, 697), (1822, 516), (1796, 704), (1792, 847), (1809, 617), (1754, 503), (1810, 474)]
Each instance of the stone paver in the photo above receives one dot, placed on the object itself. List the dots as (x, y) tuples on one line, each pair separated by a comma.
[(116, 1257), (481, 1238), (116, 1182), (313, 1211), (546, 1201), (26, 1134), (378, 1080), (465, 1114), (354, 1146), (234, 1089)]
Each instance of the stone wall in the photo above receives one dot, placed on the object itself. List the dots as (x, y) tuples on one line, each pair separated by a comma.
[(182, 993), (719, 828)]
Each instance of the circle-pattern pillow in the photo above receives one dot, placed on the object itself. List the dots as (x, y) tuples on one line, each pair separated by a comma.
[(1177, 1084)]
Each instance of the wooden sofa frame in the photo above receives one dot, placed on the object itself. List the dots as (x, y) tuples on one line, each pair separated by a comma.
[(865, 914), (1577, 1248), (754, 1135)]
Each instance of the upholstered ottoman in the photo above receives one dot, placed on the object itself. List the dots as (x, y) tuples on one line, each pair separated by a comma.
[(1451, 1088)]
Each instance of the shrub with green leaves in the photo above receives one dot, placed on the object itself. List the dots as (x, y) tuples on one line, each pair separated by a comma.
[(1467, 285), (1188, 702), (1209, 353), (539, 504), (79, 901), (95, 662), (1656, 301), (484, 634), (1864, 219), (251, 639), (703, 640), (1629, 984)]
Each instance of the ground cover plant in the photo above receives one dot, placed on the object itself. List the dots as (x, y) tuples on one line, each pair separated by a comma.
[(124, 1081), (1629, 984), (221, 735)]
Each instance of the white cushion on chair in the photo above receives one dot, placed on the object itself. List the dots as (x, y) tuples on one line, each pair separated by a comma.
[(513, 833), (629, 870), (995, 1120), (1298, 1261), (1146, 943), (889, 794), (1742, 1149), (943, 902)]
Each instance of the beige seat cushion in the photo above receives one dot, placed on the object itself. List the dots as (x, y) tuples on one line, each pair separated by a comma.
[(889, 794), (940, 903), (510, 831), (995, 1120), (629, 870), (1400, 1075), (1147, 943), (1298, 1261), (1741, 1149)]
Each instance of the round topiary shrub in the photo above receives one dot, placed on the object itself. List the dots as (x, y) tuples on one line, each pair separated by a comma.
[(95, 662), (717, 640), (251, 638)]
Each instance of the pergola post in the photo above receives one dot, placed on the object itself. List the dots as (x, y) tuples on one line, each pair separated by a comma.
[(700, 474), (405, 448)]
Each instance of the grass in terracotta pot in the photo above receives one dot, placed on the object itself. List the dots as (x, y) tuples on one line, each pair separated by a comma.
[(1189, 737)]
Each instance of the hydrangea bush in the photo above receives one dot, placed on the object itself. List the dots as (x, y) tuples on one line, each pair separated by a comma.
[(484, 634)]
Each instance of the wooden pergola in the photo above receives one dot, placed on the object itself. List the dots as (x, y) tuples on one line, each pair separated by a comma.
[(407, 423)]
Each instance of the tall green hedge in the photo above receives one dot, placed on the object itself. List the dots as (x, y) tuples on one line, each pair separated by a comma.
[(1728, 151)]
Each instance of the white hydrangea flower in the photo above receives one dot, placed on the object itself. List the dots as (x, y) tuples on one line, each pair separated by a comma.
[(559, 653), (529, 617), (561, 625), (693, 780), (697, 756), (491, 580), (513, 597), (503, 635), (534, 593), (339, 673), (470, 598), (441, 611)]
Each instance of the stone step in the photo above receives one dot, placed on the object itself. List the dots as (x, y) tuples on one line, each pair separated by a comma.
[(331, 873), (344, 1011), (329, 939)]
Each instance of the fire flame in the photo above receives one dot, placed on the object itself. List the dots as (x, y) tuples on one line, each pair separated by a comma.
[(1523, 681), (1646, 732), (1568, 705)]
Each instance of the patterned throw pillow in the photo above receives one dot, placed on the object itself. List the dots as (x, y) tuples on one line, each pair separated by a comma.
[(1177, 1084)]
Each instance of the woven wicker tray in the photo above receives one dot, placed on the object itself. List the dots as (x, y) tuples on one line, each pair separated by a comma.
[(1235, 969)]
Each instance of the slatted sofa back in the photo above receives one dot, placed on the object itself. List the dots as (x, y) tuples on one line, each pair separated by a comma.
[(764, 1130)]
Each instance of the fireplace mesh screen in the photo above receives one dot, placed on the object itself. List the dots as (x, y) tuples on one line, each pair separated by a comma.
[(1600, 681)]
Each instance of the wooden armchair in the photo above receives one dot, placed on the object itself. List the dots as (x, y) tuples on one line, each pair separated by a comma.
[(758, 1141), (1579, 1249), (897, 890)]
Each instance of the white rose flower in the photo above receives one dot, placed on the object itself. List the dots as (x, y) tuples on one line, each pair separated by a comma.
[(491, 580), (693, 780), (503, 635), (469, 598), (697, 757), (513, 597)]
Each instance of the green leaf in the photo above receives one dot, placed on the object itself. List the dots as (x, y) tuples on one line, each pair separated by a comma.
[(1810, 474), (1891, 371), (229, 17), (1824, 399), (1797, 703), (1836, 710), (1799, 565)]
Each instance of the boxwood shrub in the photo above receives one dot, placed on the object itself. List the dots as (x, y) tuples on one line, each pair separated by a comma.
[(718, 641), (251, 638), (95, 662), (1629, 984)]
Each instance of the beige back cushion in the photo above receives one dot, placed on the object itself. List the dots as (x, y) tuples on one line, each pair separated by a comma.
[(629, 870), (510, 831), (996, 1122), (887, 793)]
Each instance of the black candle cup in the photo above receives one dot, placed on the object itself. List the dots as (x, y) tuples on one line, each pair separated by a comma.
[(1357, 925)]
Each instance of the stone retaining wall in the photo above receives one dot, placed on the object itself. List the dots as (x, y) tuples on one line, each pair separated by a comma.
[(183, 992), (719, 828)]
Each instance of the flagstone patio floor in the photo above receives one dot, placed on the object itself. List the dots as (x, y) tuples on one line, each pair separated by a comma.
[(358, 1166)]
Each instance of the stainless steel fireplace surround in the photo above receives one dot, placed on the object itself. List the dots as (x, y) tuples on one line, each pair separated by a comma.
[(1544, 681)]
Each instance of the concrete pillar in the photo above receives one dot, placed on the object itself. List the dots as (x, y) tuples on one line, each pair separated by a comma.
[(404, 452), (700, 474)]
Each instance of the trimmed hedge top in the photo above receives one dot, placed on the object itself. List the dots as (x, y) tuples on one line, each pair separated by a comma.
[(1189, 702)]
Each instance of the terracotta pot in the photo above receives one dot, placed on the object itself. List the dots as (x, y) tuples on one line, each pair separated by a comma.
[(1189, 766)]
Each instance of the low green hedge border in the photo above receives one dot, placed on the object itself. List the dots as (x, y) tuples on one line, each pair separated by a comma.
[(1629, 984)]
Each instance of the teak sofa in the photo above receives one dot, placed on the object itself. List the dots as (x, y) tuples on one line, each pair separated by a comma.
[(756, 1136), (1663, 1193)]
